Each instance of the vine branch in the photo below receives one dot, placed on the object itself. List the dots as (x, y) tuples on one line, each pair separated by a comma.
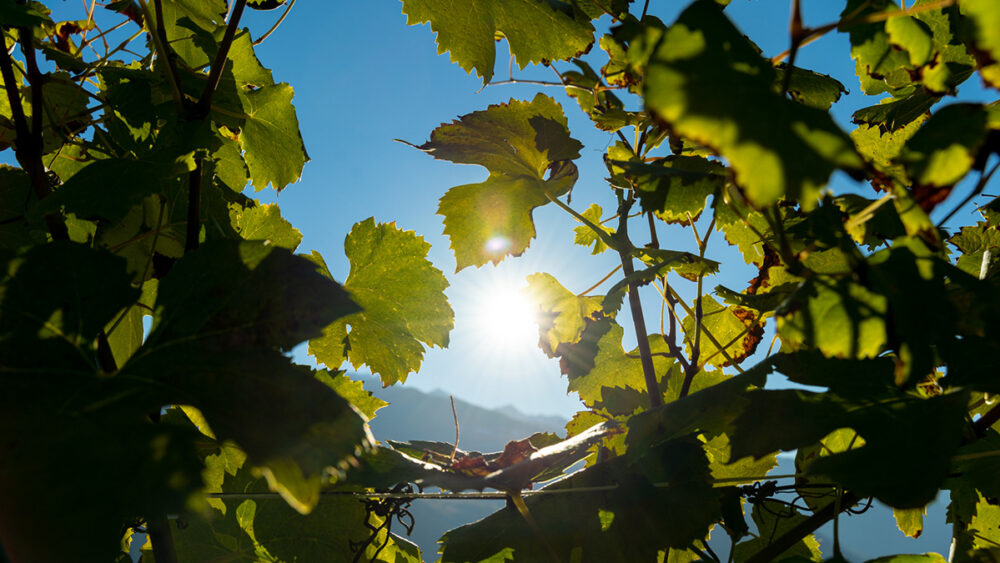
[(635, 305)]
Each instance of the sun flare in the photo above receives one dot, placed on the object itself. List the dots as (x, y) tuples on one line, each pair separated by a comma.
[(505, 319)]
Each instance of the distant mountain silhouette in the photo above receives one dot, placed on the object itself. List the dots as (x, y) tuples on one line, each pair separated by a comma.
[(416, 415)]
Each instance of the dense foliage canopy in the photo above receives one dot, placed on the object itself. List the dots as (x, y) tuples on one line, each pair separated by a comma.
[(201, 433)]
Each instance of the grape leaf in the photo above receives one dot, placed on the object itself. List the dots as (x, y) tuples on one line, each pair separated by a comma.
[(985, 39), (562, 315), (893, 114), (943, 151), (839, 317), (223, 316), (58, 410), (811, 88), (733, 330), (910, 521), (109, 188), (585, 236), (518, 142), (537, 32), (264, 222), (270, 137), (675, 187), (776, 147), (973, 241), (352, 390), (402, 299), (881, 66)]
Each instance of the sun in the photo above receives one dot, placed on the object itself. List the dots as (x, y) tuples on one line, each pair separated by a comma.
[(505, 318)]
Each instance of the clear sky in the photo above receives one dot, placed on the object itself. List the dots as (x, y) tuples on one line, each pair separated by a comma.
[(363, 78)]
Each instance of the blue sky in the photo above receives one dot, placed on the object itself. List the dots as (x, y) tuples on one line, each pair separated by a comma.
[(363, 78)]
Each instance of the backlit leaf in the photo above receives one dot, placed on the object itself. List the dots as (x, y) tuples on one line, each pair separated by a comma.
[(518, 142), (775, 147), (401, 295), (536, 31)]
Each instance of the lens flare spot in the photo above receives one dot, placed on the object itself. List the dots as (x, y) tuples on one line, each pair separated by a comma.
[(497, 245)]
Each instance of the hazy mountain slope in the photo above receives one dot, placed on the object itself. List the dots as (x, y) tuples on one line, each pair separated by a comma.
[(415, 415)]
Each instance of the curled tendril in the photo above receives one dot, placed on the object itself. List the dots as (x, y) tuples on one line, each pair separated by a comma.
[(386, 509)]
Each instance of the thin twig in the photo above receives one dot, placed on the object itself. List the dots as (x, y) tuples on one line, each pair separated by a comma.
[(454, 414)]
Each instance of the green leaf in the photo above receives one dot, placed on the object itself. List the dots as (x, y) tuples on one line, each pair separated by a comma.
[(604, 108), (924, 558), (585, 236), (401, 295), (880, 65), (910, 521), (264, 223), (190, 26), (353, 391), (985, 39), (811, 88), (912, 35), (675, 187), (224, 315), (518, 142), (267, 529), (14, 14), (838, 316), (973, 241), (914, 463), (726, 334), (270, 137), (562, 315), (536, 31), (776, 147), (892, 114), (598, 361), (58, 410), (109, 188), (732, 217), (944, 149)]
